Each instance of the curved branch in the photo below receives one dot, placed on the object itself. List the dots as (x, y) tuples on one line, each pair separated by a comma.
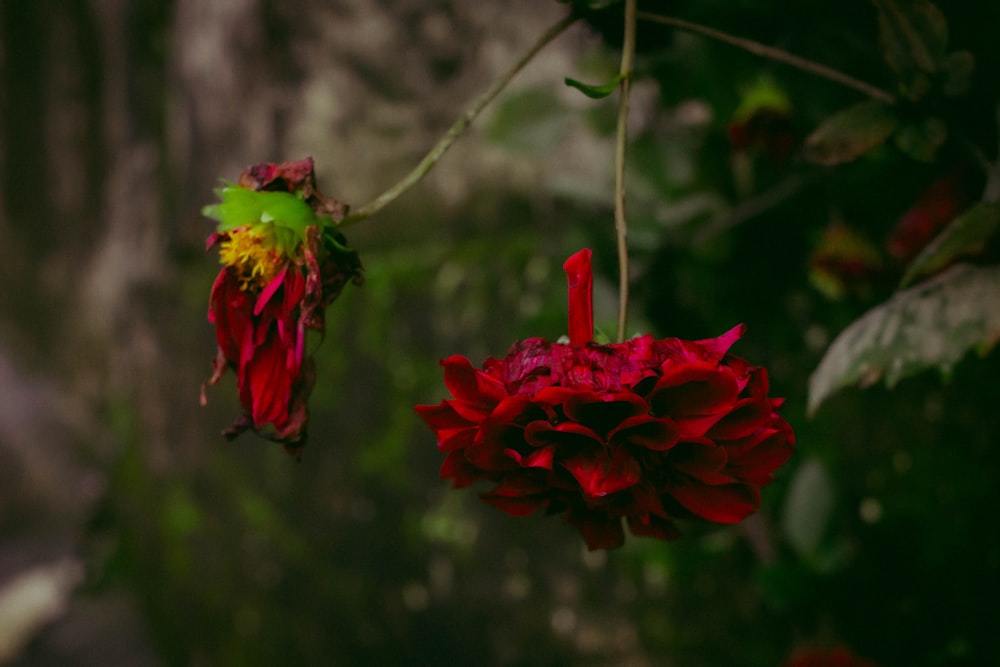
[(775, 54)]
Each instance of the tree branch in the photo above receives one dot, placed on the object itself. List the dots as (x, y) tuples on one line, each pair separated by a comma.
[(775, 54)]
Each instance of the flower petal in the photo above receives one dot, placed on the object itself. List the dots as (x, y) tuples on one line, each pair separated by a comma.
[(580, 279), (459, 471), (570, 435), (518, 496), (694, 389), (536, 458), (748, 415), (269, 291), (703, 461), (601, 473), (729, 503), (470, 386), (604, 411), (717, 347), (653, 526), (515, 506), (441, 417), (599, 530), (268, 383), (645, 431)]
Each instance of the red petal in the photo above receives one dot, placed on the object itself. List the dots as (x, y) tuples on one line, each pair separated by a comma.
[(746, 417), (600, 473), (717, 347), (653, 526), (269, 385), (645, 431), (540, 458), (580, 278), (723, 504), (515, 506), (450, 440), (599, 530), (518, 496), (470, 386), (694, 390), (441, 416), (603, 412), (230, 311), (702, 461), (567, 434), (460, 471), (269, 290)]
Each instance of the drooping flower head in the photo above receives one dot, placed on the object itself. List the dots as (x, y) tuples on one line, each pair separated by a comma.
[(647, 430), (283, 262)]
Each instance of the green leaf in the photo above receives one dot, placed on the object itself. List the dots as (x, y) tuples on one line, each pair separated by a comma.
[(933, 324), (596, 92), (957, 70), (850, 133), (921, 140), (965, 235), (808, 507), (914, 39)]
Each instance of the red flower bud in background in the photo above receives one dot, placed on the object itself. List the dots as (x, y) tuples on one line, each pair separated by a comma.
[(837, 657), (283, 263), (938, 205), (647, 430), (763, 122), (845, 263)]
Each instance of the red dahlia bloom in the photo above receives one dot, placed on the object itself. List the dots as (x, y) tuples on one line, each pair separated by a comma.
[(646, 430), (283, 262)]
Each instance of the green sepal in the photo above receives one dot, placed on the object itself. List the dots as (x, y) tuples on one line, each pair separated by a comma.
[(596, 92), (288, 214)]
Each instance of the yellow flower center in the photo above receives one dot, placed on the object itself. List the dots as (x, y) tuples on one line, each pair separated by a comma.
[(253, 254)]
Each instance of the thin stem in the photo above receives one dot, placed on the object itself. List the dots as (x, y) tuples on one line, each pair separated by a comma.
[(774, 54), (621, 228), (456, 130)]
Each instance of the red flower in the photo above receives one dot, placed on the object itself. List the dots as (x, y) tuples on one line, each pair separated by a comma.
[(938, 205), (646, 430), (283, 263), (837, 657)]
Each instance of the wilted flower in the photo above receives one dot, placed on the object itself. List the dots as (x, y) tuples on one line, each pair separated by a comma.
[(646, 430), (283, 262)]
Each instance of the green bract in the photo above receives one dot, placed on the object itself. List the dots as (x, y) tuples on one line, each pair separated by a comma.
[(287, 214)]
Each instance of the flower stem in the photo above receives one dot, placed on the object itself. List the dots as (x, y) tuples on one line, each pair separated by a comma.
[(776, 54), (621, 228), (456, 130)]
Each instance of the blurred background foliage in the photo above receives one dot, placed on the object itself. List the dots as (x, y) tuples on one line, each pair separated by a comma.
[(176, 547)]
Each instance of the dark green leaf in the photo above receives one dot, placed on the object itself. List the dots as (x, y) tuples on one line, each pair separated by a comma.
[(965, 235), (596, 92), (958, 69), (921, 140), (850, 133), (933, 324), (914, 38), (808, 507)]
